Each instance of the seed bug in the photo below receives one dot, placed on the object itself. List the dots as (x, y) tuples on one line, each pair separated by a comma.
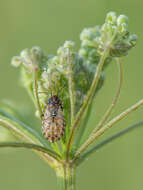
[(53, 123)]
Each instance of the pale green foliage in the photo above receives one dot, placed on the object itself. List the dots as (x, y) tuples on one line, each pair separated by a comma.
[(53, 70), (76, 77)]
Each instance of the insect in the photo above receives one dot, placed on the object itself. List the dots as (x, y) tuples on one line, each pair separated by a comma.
[(53, 123)]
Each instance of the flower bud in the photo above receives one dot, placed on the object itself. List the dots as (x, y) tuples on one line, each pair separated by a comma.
[(122, 19), (133, 39), (111, 18), (85, 34), (60, 50), (36, 52), (69, 44), (122, 28), (16, 61), (25, 54)]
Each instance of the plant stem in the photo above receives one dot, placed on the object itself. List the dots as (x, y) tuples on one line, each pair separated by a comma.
[(114, 102), (96, 135), (14, 124), (66, 177), (91, 91), (71, 87), (89, 97), (30, 146), (36, 92), (107, 141), (18, 131)]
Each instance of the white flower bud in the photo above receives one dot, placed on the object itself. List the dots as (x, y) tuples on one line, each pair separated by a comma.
[(122, 28), (60, 50), (25, 54), (69, 44), (16, 61), (36, 49), (122, 19), (133, 39), (85, 34), (111, 17)]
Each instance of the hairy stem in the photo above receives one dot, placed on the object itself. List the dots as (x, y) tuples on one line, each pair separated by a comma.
[(36, 92), (71, 87), (71, 92), (89, 97), (96, 135), (18, 131), (107, 141), (115, 99), (30, 146), (66, 177), (90, 92)]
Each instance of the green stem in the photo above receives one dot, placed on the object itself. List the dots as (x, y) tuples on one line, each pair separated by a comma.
[(30, 146), (71, 87), (18, 131), (96, 135), (66, 177), (107, 141), (71, 92), (91, 92), (88, 99), (36, 92), (115, 99)]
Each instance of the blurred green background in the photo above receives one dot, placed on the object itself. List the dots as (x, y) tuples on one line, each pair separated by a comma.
[(48, 24)]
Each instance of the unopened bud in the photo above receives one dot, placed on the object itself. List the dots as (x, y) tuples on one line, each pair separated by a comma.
[(16, 61), (111, 18), (122, 19)]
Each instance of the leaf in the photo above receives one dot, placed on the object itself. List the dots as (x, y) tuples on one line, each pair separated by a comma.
[(20, 113), (107, 141), (20, 129), (27, 134), (29, 146)]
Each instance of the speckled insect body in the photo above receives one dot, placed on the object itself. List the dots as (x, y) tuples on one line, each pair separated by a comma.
[(53, 123)]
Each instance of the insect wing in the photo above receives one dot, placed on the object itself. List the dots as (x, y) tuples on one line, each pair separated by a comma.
[(53, 127)]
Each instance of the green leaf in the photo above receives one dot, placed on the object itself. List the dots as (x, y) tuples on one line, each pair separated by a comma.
[(107, 141), (27, 134), (20, 129), (29, 146)]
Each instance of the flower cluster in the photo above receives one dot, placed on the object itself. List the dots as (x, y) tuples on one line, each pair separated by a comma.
[(71, 79), (30, 59), (113, 32), (53, 71)]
